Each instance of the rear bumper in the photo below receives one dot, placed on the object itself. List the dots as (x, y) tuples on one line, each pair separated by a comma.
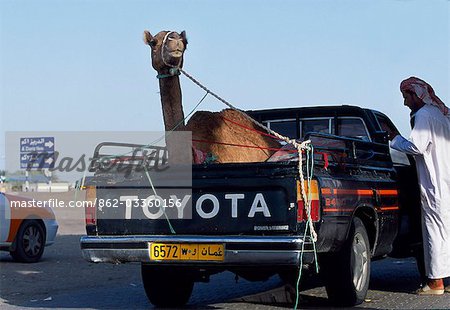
[(51, 227), (239, 250)]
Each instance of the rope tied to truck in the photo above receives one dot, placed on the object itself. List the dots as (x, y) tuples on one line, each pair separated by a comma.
[(304, 146)]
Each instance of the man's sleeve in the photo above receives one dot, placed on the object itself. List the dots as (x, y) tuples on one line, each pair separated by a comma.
[(401, 144), (420, 138)]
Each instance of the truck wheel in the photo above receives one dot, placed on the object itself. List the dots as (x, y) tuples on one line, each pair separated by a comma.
[(347, 273), (166, 288), (29, 243)]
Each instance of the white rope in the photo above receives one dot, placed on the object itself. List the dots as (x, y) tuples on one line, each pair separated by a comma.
[(305, 145)]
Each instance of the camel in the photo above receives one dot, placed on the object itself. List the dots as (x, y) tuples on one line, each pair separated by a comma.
[(212, 132)]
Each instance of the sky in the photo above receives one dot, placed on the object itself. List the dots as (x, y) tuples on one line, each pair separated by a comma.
[(82, 65)]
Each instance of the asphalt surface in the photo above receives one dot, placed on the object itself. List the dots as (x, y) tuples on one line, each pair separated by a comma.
[(63, 280)]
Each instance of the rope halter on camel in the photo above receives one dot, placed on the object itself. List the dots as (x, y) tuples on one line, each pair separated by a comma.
[(174, 69)]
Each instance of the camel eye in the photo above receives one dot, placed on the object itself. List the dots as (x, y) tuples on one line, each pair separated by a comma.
[(152, 43)]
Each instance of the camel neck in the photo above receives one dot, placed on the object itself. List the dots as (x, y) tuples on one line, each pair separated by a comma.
[(170, 91)]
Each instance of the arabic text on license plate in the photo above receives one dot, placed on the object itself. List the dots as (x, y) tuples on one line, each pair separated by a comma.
[(186, 251)]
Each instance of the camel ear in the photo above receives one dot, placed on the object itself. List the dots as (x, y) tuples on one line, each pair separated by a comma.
[(147, 37), (183, 36)]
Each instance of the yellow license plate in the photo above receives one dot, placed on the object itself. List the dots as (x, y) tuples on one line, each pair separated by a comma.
[(186, 251)]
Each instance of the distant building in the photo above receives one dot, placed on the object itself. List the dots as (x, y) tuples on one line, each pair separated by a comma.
[(36, 183), (45, 187), (21, 179)]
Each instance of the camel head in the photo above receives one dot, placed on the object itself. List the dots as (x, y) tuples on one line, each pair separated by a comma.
[(167, 48)]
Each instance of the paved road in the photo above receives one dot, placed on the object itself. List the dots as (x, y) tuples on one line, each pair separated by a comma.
[(63, 280)]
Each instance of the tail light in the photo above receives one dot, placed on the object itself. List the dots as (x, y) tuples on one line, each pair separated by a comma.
[(312, 194), (90, 210)]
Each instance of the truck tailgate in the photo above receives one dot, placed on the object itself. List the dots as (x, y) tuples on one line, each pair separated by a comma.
[(226, 199)]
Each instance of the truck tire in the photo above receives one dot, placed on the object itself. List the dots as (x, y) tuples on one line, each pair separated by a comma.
[(166, 288), (347, 273), (29, 243)]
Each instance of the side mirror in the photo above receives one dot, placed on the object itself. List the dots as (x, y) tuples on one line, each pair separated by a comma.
[(380, 137)]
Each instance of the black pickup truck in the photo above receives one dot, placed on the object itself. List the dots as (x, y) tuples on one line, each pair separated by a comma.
[(249, 218)]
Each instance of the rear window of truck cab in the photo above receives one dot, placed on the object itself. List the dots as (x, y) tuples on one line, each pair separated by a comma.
[(353, 127)]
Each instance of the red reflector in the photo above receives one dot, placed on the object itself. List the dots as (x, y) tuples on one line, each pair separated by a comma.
[(313, 194), (90, 215), (301, 212), (90, 210)]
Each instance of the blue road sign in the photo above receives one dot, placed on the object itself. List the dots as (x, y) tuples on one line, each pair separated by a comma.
[(37, 153), (39, 144), (41, 160)]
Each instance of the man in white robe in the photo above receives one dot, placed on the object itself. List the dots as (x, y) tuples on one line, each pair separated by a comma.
[(429, 143)]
